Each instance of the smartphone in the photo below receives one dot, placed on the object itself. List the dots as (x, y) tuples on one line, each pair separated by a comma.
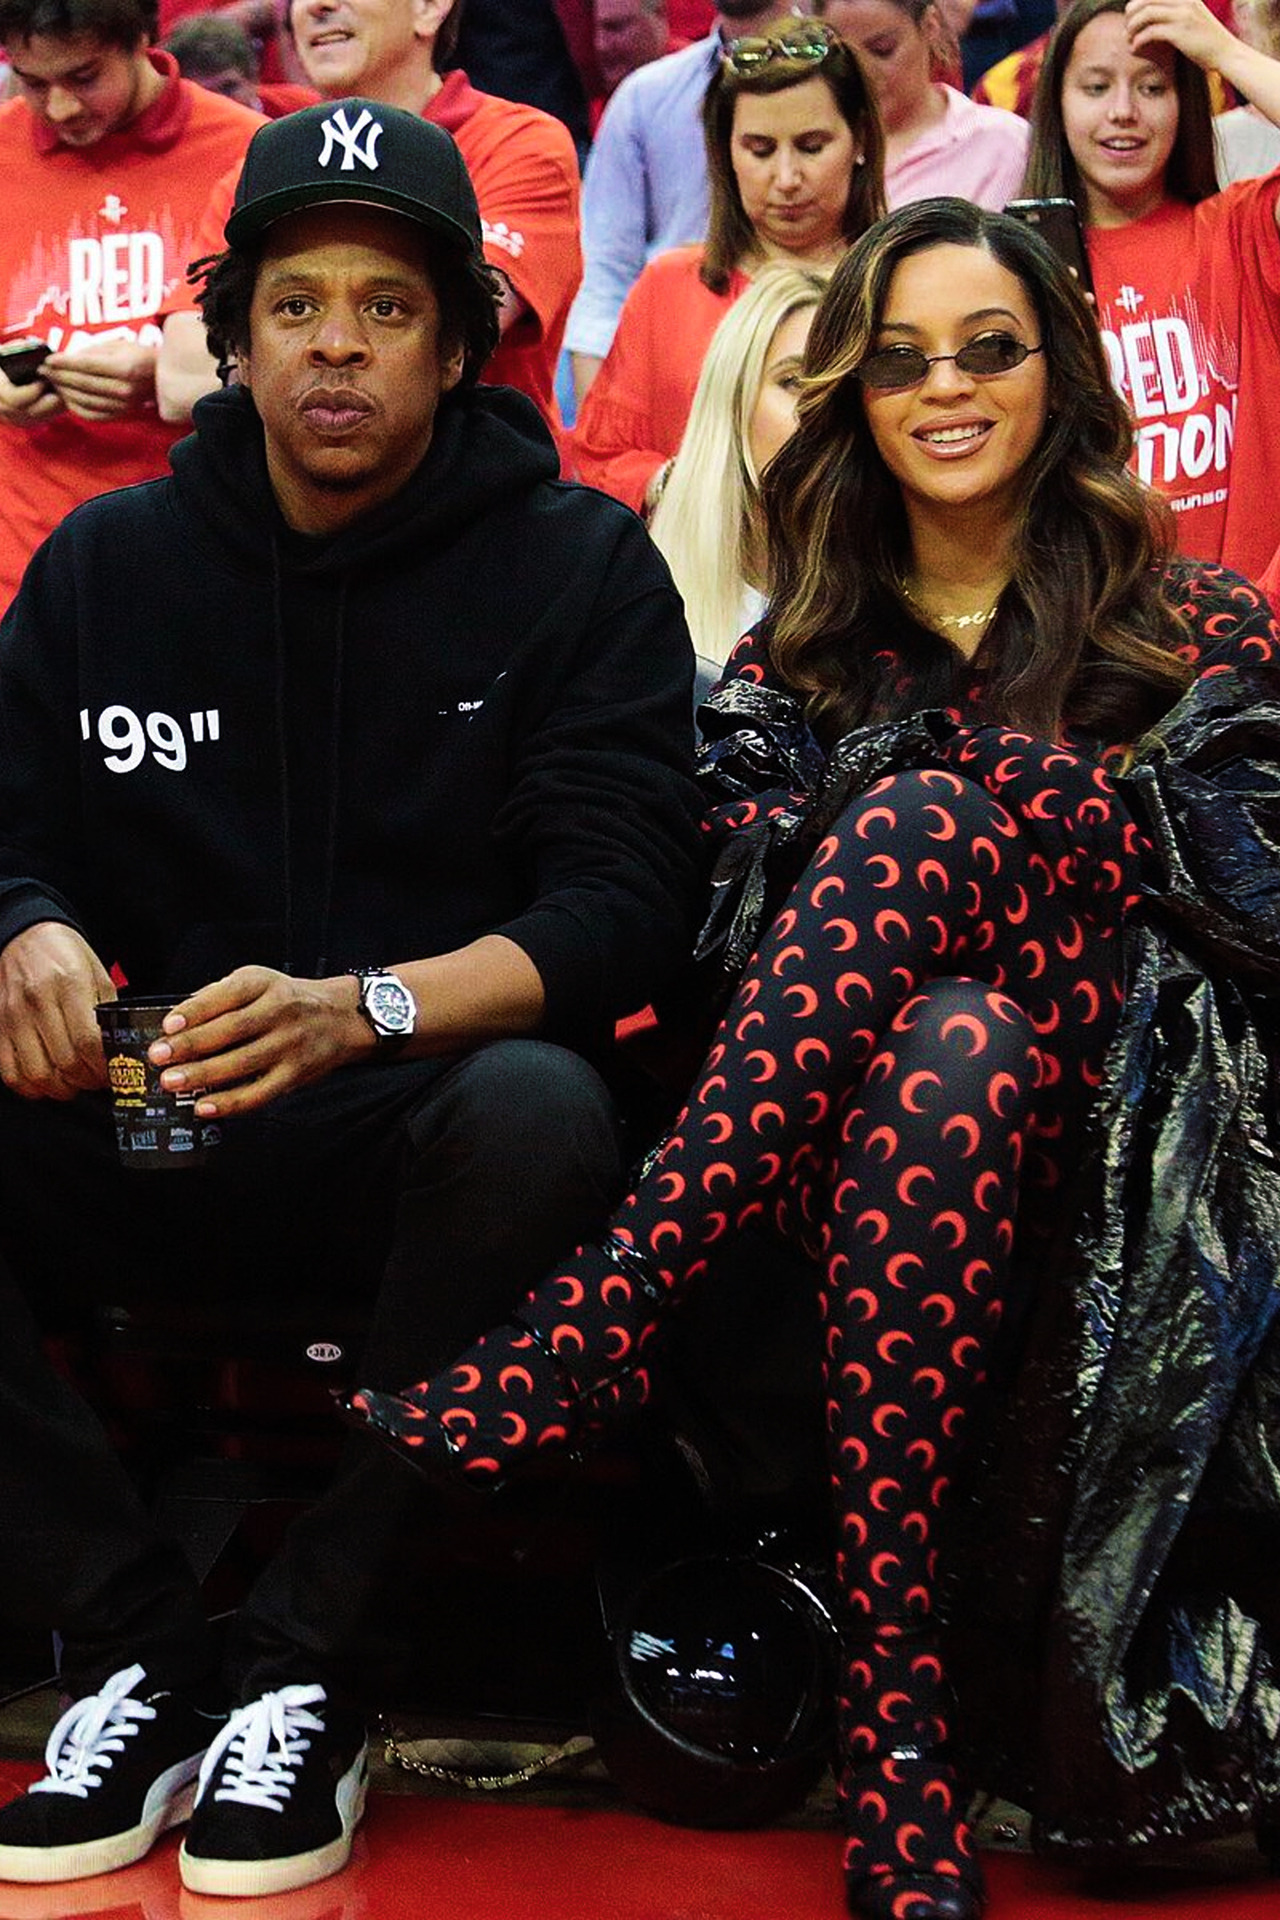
[(21, 360), (1058, 224)]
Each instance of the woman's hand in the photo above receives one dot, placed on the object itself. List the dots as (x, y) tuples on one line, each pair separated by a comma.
[(1187, 25), (106, 382)]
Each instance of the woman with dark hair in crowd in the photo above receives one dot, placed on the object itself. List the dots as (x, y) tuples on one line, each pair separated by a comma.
[(1187, 278), (796, 164), (950, 894)]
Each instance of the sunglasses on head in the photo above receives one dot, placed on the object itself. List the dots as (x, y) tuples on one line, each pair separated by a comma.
[(809, 40), (903, 366)]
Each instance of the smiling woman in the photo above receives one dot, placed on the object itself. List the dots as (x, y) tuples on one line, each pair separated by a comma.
[(956, 405), (930, 882), (1187, 277)]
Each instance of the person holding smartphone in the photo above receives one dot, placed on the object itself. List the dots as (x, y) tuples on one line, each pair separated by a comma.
[(108, 157), (1187, 276)]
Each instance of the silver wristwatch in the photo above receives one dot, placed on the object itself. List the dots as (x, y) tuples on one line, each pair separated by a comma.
[(386, 1004)]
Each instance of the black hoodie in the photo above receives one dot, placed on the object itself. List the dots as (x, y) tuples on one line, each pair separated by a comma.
[(225, 743)]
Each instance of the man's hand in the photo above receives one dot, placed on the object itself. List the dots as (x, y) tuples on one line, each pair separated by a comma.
[(246, 1039), (107, 382), (50, 982), (26, 403), (185, 368)]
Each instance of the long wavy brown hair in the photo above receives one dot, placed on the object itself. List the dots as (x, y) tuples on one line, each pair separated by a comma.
[(1190, 176), (731, 238), (1083, 633)]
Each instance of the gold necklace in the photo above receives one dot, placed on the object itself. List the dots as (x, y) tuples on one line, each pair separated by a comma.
[(960, 621)]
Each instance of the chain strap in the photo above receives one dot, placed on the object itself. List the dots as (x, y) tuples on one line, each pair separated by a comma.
[(578, 1750)]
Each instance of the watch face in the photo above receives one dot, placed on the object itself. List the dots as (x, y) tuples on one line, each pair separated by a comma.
[(390, 1005)]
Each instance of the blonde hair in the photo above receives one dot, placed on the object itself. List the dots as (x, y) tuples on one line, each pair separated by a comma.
[(707, 519)]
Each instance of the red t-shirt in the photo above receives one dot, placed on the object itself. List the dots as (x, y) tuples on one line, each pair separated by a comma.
[(691, 19), (1269, 579), (524, 169), (276, 98), (636, 411), (93, 241), (1189, 305), (525, 174)]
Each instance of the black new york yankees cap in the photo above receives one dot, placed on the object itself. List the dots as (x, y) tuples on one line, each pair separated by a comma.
[(358, 150)]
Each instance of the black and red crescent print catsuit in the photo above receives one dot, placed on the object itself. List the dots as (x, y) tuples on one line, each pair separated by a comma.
[(899, 1084)]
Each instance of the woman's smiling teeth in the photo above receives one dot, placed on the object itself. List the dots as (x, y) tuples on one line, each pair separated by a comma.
[(952, 436)]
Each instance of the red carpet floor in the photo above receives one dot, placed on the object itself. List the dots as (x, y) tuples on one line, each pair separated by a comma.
[(435, 1858)]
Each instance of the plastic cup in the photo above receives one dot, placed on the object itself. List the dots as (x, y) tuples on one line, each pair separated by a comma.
[(154, 1127)]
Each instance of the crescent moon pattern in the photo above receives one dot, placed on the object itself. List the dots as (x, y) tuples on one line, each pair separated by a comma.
[(848, 935), (912, 1084), (897, 1100)]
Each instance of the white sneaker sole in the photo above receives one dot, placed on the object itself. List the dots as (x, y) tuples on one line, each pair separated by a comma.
[(247, 1879), (173, 1795)]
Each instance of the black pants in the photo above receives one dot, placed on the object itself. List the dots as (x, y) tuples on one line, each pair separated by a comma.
[(438, 1192)]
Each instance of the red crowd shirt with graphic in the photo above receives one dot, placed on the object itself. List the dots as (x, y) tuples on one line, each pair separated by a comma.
[(1189, 306), (524, 169), (92, 241), (525, 174)]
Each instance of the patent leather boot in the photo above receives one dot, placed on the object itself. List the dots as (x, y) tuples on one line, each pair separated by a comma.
[(909, 1853), (546, 1382)]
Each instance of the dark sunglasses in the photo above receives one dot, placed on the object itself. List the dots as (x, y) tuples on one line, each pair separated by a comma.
[(985, 358), (810, 40)]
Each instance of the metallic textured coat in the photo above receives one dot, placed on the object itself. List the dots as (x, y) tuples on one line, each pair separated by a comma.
[(1115, 1593)]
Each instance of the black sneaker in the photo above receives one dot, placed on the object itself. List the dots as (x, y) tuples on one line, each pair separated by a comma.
[(281, 1793), (122, 1767)]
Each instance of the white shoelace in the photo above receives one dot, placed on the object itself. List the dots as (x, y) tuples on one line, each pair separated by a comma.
[(90, 1734), (261, 1747)]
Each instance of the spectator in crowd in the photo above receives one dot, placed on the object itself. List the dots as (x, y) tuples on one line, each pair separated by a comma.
[(707, 525), (1187, 278), (997, 28), (265, 21), (217, 52), (521, 161), (795, 155), (108, 158), (645, 189), (935, 141), (628, 34), (541, 52), (566, 56), (1011, 82), (948, 916), (1246, 142), (447, 726)]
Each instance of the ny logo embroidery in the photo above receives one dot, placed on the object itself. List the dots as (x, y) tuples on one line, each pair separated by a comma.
[(338, 134)]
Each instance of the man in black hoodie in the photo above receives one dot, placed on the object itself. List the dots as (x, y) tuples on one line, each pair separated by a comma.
[(370, 740)]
